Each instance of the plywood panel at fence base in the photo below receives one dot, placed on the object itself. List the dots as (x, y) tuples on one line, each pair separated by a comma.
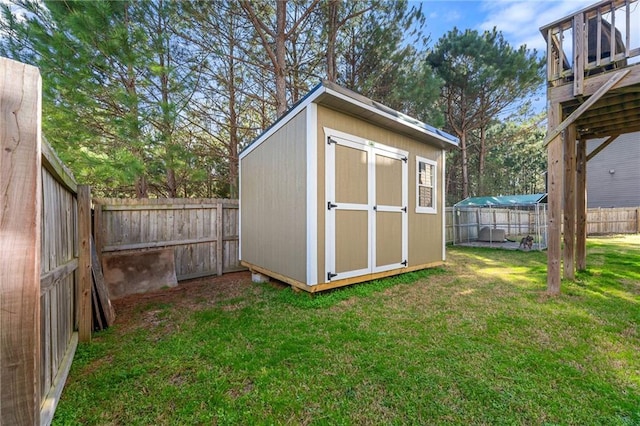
[(203, 233), (128, 273)]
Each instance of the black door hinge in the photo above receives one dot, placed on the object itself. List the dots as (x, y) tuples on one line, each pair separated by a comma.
[(330, 205), (405, 159), (330, 141), (330, 275), (404, 209), (375, 207), (405, 263)]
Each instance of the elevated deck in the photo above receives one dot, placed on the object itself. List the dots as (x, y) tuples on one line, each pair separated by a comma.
[(593, 74), (584, 51)]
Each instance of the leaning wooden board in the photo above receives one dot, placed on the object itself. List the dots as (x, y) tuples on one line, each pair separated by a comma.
[(102, 308)]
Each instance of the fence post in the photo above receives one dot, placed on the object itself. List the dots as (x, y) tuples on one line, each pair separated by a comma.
[(84, 263), (97, 228), (20, 236), (219, 238)]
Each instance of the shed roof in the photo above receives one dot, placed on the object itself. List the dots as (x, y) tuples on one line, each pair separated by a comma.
[(339, 98), (503, 201)]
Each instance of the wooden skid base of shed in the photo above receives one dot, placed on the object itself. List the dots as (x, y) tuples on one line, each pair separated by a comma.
[(337, 283)]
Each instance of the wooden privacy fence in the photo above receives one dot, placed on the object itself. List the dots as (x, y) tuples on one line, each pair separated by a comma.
[(44, 257), (616, 220), (202, 232)]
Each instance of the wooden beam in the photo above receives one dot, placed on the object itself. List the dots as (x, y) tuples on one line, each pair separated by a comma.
[(585, 106), (620, 120), (51, 400), (337, 283), (84, 263), (52, 277), (578, 54), (554, 200), (609, 104), (618, 103), (162, 244), (20, 239), (602, 146), (581, 205), (564, 93), (604, 132), (569, 142), (52, 163)]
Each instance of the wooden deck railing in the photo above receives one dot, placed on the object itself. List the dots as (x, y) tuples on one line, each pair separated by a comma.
[(600, 38)]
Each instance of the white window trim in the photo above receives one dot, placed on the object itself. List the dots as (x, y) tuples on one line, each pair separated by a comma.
[(428, 210)]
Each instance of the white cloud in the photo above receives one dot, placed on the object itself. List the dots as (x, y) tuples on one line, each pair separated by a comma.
[(520, 20), (452, 16)]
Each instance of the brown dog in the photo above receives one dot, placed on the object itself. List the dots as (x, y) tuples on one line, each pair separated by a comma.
[(526, 242)]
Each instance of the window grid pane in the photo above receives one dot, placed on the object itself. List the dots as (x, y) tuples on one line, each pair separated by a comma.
[(426, 199)]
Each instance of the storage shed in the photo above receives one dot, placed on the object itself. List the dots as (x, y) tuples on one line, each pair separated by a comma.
[(341, 190)]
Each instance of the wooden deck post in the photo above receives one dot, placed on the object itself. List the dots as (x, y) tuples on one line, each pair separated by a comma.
[(569, 142), (554, 198), (20, 192), (84, 263), (581, 205)]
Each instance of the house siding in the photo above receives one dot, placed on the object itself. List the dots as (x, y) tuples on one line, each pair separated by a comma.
[(622, 187)]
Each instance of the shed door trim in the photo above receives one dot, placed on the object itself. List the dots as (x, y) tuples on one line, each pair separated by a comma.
[(368, 206)]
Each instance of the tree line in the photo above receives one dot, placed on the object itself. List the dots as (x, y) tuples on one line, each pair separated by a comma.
[(157, 97)]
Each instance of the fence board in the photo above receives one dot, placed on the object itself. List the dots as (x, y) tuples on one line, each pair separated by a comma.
[(202, 232), (58, 290)]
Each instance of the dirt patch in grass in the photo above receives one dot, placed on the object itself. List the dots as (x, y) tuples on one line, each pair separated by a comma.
[(193, 294)]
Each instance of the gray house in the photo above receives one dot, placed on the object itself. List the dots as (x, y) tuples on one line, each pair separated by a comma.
[(613, 175)]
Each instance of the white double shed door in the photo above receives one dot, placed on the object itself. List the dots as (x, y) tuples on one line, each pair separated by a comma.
[(366, 222)]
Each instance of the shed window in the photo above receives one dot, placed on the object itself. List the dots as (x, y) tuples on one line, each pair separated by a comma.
[(425, 185)]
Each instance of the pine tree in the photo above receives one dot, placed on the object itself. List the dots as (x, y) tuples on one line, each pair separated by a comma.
[(482, 76)]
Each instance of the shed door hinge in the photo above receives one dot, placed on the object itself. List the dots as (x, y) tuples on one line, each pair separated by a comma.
[(405, 263), (330, 275), (404, 209), (330, 205), (405, 159), (330, 141)]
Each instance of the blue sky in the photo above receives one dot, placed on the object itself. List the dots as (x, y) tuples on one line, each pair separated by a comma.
[(519, 20)]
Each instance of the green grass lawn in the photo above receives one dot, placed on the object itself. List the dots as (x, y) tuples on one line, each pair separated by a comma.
[(475, 342)]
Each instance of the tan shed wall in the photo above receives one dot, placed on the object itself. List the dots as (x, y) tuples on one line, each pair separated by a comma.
[(273, 202), (425, 230)]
